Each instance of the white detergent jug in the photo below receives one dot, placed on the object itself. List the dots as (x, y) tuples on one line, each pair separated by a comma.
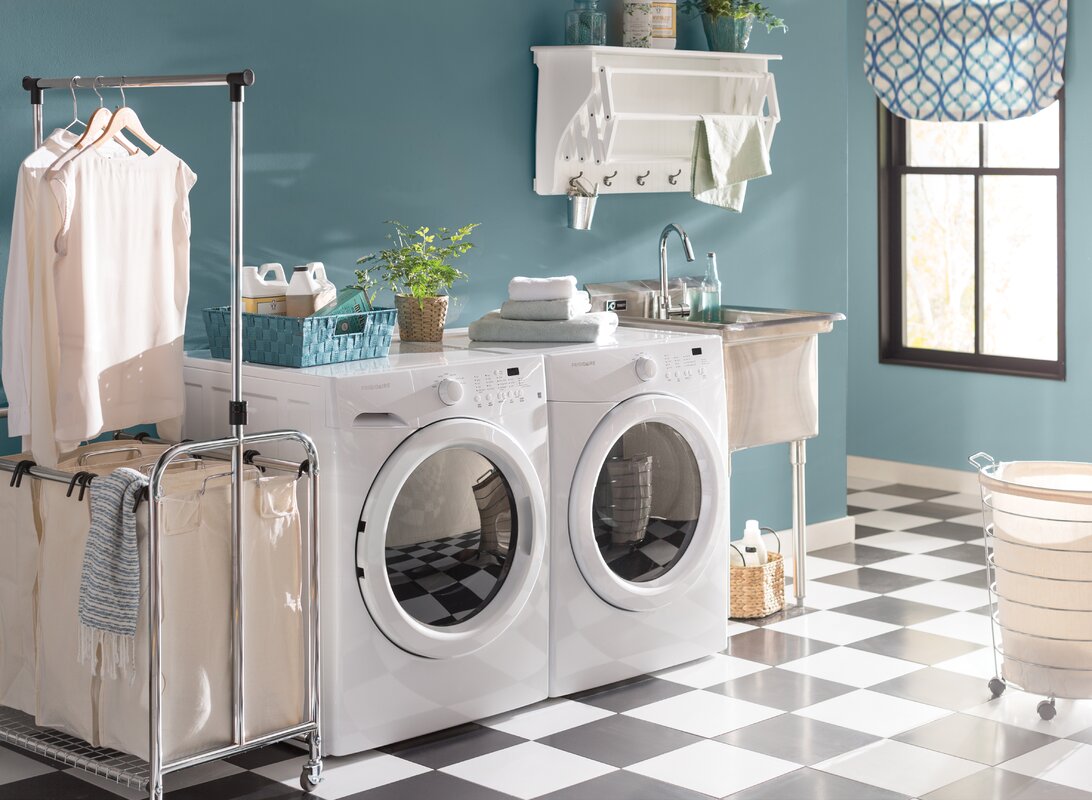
[(262, 294), (754, 549), (309, 290)]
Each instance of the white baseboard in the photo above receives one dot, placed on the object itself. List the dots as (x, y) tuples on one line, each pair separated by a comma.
[(950, 480), (819, 535)]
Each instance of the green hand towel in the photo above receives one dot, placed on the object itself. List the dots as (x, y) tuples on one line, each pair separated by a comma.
[(729, 150)]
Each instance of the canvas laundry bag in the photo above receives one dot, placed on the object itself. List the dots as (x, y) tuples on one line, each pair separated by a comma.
[(19, 536)]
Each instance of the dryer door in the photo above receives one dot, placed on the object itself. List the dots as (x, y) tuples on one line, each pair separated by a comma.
[(649, 502), (451, 539)]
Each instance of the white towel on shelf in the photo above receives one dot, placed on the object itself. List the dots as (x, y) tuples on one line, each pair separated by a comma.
[(583, 329), (541, 310), (729, 150), (561, 288)]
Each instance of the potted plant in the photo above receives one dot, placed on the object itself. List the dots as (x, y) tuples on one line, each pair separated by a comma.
[(417, 268), (728, 23)]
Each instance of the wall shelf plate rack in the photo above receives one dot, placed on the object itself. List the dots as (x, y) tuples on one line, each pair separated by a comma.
[(626, 118)]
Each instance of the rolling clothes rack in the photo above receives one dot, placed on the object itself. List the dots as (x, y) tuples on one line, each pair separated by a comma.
[(18, 729)]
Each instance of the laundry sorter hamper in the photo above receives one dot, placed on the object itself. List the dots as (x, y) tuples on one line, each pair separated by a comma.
[(1037, 523)]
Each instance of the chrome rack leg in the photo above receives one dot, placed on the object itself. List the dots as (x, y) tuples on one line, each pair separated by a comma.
[(798, 456)]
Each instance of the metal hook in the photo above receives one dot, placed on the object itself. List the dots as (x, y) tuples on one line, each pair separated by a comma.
[(641, 178), (674, 179), (607, 179), (572, 181), (121, 89), (95, 89)]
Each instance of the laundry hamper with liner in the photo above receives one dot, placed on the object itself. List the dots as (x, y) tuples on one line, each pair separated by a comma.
[(306, 342), (1037, 522), (19, 536), (759, 590)]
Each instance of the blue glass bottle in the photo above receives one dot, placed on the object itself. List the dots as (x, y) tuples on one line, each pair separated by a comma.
[(586, 24)]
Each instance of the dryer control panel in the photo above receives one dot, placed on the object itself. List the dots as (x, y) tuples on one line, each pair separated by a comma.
[(501, 385), (686, 364)]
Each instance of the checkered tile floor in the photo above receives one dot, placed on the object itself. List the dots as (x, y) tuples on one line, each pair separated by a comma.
[(875, 691)]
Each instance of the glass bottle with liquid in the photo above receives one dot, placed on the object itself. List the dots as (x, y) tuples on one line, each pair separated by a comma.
[(586, 24), (710, 290)]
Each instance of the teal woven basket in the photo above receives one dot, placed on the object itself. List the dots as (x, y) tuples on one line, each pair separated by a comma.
[(308, 342)]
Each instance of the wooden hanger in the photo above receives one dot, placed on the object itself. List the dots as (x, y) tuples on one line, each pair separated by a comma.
[(97, 124), (126, 119)]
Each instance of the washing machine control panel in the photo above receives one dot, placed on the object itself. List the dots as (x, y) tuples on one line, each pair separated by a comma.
[(489, 387), (679, 365)]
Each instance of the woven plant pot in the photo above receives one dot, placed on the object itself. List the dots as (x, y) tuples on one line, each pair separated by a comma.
[(421, 320), (758, 591)]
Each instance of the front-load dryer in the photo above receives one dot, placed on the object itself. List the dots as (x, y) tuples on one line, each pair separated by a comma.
[(434, 538), (639, 503)]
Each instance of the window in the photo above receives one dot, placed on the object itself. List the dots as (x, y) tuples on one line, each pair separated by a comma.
[(972, 244)]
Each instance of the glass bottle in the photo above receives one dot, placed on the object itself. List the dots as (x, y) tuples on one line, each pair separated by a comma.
[(710, 288), (586, 24)]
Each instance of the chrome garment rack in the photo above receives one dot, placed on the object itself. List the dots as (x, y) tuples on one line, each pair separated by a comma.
[(18, 729)]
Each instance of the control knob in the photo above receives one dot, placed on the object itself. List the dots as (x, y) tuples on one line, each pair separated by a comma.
[(450, 391), (646, 368)]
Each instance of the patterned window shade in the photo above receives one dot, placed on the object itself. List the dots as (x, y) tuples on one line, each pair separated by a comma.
[(965, 60)]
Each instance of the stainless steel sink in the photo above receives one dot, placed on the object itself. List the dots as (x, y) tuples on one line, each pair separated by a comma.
[(771, 358)]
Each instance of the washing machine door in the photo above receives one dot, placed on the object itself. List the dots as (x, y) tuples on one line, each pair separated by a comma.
[(649, 502), (452, 538)]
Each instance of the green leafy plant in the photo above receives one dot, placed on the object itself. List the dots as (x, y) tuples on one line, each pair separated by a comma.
[(736, 9), (419, 263)]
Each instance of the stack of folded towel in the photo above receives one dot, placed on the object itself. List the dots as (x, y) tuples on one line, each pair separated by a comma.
[(544, 310)]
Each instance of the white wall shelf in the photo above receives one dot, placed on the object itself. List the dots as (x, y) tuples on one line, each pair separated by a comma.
[(626, 118)]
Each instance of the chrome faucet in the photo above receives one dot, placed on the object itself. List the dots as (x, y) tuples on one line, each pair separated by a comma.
[(665, 310)]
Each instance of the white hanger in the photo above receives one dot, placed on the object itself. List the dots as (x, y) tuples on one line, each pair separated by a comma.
[(75, 108), (126, 119)]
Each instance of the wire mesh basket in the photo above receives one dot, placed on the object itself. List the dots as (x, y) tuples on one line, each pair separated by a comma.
[(1037, 524)]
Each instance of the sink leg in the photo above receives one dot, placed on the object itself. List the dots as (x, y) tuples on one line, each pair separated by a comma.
[(798, 456)]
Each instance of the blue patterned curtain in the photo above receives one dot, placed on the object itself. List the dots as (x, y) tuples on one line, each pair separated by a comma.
[(965, 60)]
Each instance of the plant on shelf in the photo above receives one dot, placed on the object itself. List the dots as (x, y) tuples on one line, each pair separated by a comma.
[(417, 268), (728, 23)]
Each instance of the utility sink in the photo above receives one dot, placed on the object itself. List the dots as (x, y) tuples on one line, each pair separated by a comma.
[(771, 358)]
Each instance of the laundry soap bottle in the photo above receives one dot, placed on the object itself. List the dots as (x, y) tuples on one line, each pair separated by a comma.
[(754, 549), (309, 290), (263, 294)]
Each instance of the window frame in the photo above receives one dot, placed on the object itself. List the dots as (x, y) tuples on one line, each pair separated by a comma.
[(892, 167)]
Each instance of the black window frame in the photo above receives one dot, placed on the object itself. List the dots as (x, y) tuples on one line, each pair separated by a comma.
[(892, 167)]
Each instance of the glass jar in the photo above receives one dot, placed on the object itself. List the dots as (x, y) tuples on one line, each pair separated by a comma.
[(586, 24)]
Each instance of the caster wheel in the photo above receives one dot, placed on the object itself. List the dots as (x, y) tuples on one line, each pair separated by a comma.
[(1046, 710), (997, 687), (306, 783)]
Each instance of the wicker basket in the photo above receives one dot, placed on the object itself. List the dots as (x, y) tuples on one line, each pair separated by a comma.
[(758, 591), (421, 320), (307, 342)]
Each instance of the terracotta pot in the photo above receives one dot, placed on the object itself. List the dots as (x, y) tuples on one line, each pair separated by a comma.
[(421, 320)]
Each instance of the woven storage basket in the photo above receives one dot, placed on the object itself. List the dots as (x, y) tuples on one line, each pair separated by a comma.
[(307, 342), (421, 320), (758, 591)]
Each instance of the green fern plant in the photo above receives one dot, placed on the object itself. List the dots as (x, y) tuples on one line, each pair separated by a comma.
[(419, 263), (736, 9)]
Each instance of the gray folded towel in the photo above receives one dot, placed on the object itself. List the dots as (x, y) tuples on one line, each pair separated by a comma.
[(546, 310), (110, 580), (583, 329)]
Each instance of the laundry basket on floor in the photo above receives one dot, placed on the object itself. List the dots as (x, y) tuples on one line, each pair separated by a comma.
[(1037, 521)]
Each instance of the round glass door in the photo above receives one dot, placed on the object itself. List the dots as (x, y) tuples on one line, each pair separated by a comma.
[(451, 539), (649, 502)]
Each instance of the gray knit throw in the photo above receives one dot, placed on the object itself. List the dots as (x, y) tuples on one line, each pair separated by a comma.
[(110, 582)]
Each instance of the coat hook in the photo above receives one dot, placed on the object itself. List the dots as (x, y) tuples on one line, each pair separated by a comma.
[(674, 179), (641, 178), (572, 181), (608, 179)]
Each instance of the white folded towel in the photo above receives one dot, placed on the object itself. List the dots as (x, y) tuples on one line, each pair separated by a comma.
[(583, 329), (541, 310), (562, 288), (729, 151)]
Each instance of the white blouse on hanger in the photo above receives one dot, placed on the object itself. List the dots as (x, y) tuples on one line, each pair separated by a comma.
[(122, 285)]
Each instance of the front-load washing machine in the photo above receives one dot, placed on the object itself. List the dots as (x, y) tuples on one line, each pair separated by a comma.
[(639, 503), (434, 540)]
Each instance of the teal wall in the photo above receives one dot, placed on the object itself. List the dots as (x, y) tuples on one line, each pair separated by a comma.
[(423, 110), (939, 417)]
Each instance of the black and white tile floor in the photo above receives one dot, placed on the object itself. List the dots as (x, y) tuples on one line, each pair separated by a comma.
[(875, 691)]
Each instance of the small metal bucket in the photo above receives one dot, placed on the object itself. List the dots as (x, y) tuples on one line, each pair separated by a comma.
[(581, 204)]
